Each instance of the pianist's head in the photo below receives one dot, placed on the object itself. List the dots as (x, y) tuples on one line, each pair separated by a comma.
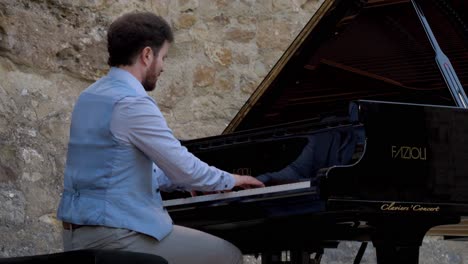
[(138, 42)]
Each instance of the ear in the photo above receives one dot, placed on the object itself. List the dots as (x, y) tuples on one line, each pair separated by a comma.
[(146, 56)]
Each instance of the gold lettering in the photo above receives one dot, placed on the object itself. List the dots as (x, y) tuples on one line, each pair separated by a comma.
[(384, 207), (393, 207), (409, 153), (419, 208), (414, 207), (400, 151), (423, 157)]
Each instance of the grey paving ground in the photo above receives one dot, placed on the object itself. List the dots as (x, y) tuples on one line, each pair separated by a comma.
[(434, 250)]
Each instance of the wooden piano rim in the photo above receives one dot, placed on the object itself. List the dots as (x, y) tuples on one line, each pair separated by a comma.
[(326, 5), (460, 229)]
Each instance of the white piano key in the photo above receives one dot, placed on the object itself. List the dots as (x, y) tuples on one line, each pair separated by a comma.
[(237, 194)]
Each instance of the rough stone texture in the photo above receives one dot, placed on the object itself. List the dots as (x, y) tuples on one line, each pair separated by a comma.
[(50, 50)]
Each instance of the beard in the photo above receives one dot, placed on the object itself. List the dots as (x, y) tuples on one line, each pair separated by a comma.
[(149, 82)]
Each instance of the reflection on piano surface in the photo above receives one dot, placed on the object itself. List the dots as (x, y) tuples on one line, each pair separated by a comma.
[(384, 169), (322, 150)]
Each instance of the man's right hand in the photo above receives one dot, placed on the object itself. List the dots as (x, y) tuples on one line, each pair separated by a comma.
[(247, 182)]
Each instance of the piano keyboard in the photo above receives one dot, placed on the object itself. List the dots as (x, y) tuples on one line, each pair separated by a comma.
[(237, 194)]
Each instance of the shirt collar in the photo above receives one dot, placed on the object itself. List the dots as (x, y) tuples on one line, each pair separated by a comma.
[(123, 75)]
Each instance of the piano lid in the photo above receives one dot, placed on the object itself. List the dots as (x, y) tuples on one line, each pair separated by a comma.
[(354, 49)]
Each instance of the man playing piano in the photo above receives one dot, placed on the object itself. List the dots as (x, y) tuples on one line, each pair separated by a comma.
[(121, 154)]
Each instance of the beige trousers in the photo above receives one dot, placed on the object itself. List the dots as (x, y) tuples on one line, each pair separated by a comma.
[(182, 245)]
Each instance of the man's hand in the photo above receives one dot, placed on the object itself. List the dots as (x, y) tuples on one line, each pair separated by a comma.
[(242, 181), (247, 182)]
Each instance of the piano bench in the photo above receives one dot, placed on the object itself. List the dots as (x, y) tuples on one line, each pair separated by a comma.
[(88, 256)]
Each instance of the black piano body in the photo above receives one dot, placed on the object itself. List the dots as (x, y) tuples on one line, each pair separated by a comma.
[(407, 176)]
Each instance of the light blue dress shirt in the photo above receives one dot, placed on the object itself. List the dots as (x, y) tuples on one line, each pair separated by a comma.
[(120, 154), (138, 121)]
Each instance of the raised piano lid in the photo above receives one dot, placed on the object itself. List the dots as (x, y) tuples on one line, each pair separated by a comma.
[(350, 50)]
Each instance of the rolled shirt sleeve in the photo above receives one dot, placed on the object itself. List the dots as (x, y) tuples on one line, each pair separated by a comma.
[(139, 121)]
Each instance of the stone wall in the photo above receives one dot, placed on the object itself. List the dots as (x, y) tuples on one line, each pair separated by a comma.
[(50, 50)]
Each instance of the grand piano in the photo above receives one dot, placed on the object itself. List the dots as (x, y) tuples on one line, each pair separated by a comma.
[(361, 131)]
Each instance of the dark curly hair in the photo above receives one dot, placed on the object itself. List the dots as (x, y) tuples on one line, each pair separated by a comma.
[(132, 32)]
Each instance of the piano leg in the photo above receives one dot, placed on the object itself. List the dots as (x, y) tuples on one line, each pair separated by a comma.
[(397, 239)]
